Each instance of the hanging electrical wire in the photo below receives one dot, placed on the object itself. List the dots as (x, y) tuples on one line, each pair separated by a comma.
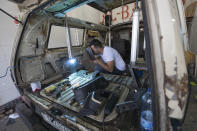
[(68, 37), (9, 67)]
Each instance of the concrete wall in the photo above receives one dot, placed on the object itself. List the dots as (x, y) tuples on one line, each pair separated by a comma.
[(8, 29)]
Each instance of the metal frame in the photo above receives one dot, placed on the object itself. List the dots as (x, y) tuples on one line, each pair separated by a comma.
[(105, 10), (11, 16), (150, 67)]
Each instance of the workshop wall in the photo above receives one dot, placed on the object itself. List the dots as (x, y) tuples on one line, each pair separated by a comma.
[(8, 28)]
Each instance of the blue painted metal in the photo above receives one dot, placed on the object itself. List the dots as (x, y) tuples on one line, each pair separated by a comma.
[(62, 13)]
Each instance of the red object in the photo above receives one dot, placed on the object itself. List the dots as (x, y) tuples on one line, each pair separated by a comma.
[(183, 1), (125, 11), (16, 22), (103, 21), (36, 90)]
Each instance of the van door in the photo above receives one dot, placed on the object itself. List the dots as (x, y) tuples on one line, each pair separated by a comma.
[(167, 65)]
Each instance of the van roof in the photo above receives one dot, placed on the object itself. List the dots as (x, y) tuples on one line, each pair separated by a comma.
[(60, 8), (63, 6), (102, 5)]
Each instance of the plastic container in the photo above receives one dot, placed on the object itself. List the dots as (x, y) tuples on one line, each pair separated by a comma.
[(36, 86), (146, 118)]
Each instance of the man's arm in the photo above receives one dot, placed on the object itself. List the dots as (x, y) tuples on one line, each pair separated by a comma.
[(109, 66)]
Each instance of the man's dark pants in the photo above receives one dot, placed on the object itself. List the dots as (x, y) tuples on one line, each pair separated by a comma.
[(102, 70)]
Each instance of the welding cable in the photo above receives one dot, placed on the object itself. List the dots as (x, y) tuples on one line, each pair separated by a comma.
[(9, 67), (103, 124)]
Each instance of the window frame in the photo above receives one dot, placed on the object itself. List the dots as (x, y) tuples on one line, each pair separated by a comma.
[(49, 34)]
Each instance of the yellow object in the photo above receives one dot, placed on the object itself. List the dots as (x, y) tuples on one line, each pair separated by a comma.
[(50, 88), (190, 58), (193, 83), (76, 85), (93, 33)]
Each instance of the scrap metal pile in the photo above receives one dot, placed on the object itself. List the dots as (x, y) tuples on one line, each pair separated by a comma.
[(89, 94)]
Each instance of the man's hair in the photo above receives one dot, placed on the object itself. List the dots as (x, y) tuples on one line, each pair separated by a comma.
[(96, 43)]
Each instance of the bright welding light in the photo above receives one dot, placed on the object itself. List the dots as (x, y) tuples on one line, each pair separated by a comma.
[(72, 61)]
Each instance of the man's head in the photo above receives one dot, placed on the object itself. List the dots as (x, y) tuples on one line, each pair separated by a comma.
[(96, 46)]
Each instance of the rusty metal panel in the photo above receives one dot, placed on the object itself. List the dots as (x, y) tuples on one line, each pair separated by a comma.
[(168, 60), (168, 56), (66, 98)]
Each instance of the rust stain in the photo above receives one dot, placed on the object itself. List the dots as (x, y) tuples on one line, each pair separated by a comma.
[(179, 87), (32, 19), (44, 29)]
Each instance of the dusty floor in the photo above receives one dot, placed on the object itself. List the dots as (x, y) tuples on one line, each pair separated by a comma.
[(12, 125), (18, 124)]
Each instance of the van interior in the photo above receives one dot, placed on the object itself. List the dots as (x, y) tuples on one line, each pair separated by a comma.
[(42, 57)]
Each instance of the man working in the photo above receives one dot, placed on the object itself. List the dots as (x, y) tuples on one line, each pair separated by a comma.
[(111, 61)]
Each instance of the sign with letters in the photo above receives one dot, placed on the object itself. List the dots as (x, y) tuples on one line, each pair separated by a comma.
[(121, 14)]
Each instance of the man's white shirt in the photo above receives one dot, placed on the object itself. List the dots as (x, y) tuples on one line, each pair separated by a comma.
[(110, 54)]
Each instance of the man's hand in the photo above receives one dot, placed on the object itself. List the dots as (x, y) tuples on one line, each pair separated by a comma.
[(96, 56), (109, 66), (97, 61)]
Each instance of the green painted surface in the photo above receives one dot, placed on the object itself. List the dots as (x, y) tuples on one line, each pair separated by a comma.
[(61, 5)]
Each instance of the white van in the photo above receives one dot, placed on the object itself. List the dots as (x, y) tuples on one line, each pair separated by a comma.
[(38, 57)]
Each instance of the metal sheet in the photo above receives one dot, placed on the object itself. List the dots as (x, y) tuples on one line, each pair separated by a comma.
[(67, 96), (65, 5), (107, 5)]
